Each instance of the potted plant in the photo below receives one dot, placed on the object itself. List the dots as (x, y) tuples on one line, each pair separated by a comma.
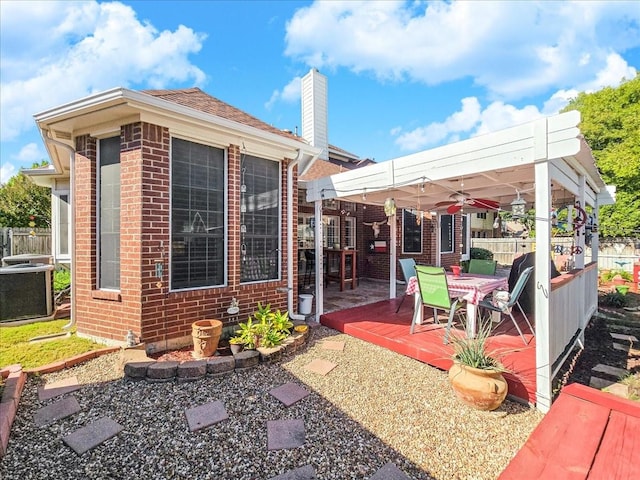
[(476, 375), (236, 344)]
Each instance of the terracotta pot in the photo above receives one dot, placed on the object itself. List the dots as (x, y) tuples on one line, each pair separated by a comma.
[(236, 348), (478, 388), (206, 334)]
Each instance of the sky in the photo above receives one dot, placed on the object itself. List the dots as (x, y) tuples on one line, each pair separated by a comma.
[(403, 76)]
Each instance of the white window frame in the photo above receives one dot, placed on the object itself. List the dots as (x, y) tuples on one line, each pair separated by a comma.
[(56, 204), (225, 196), (98, 278), (350, 232), (331, 230)]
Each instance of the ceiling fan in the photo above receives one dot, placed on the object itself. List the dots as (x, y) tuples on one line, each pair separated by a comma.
[(459, 199)]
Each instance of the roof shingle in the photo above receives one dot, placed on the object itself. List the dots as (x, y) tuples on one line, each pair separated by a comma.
[(203, 102)]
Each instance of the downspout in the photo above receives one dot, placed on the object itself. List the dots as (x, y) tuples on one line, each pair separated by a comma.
[(290, 227), (72, 201)]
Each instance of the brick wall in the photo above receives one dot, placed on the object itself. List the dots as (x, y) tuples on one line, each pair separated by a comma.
[(144, 303)]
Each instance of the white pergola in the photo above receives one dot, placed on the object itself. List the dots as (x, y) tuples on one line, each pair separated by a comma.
[(539, 161)]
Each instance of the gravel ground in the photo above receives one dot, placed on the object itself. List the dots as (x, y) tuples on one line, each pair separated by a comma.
[(375, 407)]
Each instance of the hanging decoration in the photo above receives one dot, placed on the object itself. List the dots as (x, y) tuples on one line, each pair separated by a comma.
[(389, 207)]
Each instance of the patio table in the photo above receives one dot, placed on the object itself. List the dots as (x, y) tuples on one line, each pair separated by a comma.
[(470, 287)]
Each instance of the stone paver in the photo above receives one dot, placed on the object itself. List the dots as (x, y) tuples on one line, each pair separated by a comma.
[(600, 383), (289, 393), (53, 389), (285, 434), (609, 370), (320, 366), (205, 415), (302, 473), (389, 472), (620, 336), (332, 345), (619, 346), (619, 390), (56, 411), (92, 435)]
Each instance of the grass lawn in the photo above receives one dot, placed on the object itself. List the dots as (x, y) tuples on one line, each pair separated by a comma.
[(15, 346)]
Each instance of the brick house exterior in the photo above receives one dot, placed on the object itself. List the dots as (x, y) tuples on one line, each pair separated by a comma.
[(145, 302)]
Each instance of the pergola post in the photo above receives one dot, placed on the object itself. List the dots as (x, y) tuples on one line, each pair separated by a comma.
[(318, 236), (542, 276)]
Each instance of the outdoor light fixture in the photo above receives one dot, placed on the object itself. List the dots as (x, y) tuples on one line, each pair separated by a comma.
[(389, 207), (518, 206)]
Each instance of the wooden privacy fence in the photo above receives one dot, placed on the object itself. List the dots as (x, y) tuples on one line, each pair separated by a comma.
[(613, 254), (16, 241)]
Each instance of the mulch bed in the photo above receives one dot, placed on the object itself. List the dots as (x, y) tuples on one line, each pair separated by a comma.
[(185, 354), (599, 343)]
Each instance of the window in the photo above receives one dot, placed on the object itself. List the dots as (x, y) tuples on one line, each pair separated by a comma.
[(411, 232), (331, 229), (109, 213), (330, 204), (465, 242), (350, 232), (302, 199), (306, 223), (259, 220), (446, 234), (61, 212), (481, 215), (197, 215)]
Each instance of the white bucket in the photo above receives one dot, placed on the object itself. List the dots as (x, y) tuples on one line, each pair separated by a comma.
[(304, 304)]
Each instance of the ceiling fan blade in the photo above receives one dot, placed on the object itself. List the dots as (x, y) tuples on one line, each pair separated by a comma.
[(454, 208), (484, 203), (442, 204)]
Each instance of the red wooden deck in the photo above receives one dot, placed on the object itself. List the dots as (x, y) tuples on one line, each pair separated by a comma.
[(587, 434), (378, 323)]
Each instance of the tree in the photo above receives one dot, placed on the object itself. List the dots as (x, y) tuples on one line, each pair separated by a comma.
[(22, 202), (611, 126)]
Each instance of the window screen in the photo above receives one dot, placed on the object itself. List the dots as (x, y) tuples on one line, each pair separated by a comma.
[(197, 215)]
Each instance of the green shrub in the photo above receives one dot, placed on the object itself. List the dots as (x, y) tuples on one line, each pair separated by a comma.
[(608, 275), (614, 299), (61, 279), (268, 330), (481, 253)]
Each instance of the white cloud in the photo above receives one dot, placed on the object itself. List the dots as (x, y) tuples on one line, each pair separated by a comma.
[(89, 47), (7, 170), (513, 49), (30, 153), (471, 120), (441, 132), (290, 93)]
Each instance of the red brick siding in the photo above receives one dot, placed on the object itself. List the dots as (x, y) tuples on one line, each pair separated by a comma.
[(145, 304)]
